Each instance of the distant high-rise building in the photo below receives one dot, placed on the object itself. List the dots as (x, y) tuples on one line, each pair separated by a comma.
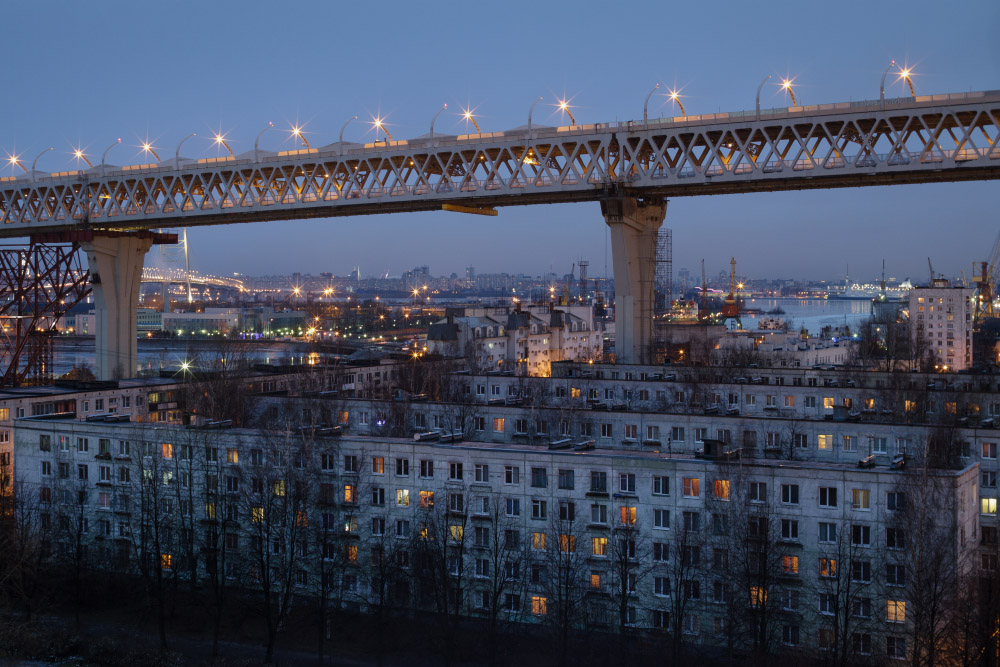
[(941, 324)]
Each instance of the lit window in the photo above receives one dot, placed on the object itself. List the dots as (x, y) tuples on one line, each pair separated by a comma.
[(403, 497), (988, 505), (758, 596), (790, 564), (498, 425), (860, 499), (168, 450), (600, 546), (692, 487), (567, 543), (628, 515), (895, 611), (539, 605), (256, 514), (232, 456), (538, 541), (720, 489), (827, 567), (166, 561)]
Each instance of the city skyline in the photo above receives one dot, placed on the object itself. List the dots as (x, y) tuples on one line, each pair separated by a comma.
[(860, 227)]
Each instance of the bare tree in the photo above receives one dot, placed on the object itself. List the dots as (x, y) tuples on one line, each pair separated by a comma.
[(629, 563), (440, 549), (277, 504), (563, 586)]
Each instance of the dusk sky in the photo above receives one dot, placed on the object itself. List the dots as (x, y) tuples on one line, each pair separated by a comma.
[(88, 72)]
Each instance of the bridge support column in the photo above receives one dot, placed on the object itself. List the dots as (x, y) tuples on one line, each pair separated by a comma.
[(634, 224), (115, 272)]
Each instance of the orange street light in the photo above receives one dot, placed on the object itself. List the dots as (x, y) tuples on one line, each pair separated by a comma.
[(467, 115), (80, 155), (675, 96), (378, 123), (786, 85), (564, 107), (220, 140), (298, 134)]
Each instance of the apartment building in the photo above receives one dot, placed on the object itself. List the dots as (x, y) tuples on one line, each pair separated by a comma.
[(707, 544), (941, 324)]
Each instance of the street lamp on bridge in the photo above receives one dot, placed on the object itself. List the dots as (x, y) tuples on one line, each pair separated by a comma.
[(675, 96), (105, 153), (786, 85), (467, 116), (80, 155), (35, 161), (531, 111), (256, 143), (298, 134), (378, 123), (16, 160), (177, 153), (434, 119), (564, 107), (220, 140), (340, 144), (645, 106), (905, 73), (759, 88)]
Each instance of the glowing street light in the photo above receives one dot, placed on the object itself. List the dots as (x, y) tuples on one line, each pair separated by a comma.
[(16, 160), (105, 153), (786, 85), (378, 123), (80, 155), (340, 145), (35, 161), (645, 106), (220, 140), (904, 73), (298, 134), (564, 107), (467, 115), (149, 149), (675, 96), (177, 153), (758, 94), (256, 142), (434, 119), (530, 111)]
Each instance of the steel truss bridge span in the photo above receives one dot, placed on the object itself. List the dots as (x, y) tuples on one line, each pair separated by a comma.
[(907, 140)]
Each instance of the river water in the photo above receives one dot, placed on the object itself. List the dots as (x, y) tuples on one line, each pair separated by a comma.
[(159, 354)]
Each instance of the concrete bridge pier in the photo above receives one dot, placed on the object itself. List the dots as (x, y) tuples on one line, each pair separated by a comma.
[(634, 224), (115, 261)]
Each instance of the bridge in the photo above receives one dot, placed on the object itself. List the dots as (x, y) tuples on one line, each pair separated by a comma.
[(631, 168), (152, 274)]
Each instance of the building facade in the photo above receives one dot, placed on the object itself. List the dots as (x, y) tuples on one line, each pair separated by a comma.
[(941, 325)]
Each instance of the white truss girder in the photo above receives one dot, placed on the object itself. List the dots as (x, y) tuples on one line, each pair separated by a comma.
[(908, 140)]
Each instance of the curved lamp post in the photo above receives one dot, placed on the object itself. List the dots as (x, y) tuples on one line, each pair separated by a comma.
[(434, 119), (177, 153), (340, 144), (759, 88), (35, 161), (80, 155), (256, 143), (564, 107), (881, 86), (467, 115), (379, 125), (220, 140), (297, 133), (786, 85), (530, 111), (148, 148), (645, 106), (105, 153), (676, 97)]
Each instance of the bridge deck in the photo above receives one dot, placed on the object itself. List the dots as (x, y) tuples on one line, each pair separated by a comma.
[(908, 140)]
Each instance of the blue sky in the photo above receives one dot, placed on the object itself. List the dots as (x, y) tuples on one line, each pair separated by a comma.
[(88, 72)]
